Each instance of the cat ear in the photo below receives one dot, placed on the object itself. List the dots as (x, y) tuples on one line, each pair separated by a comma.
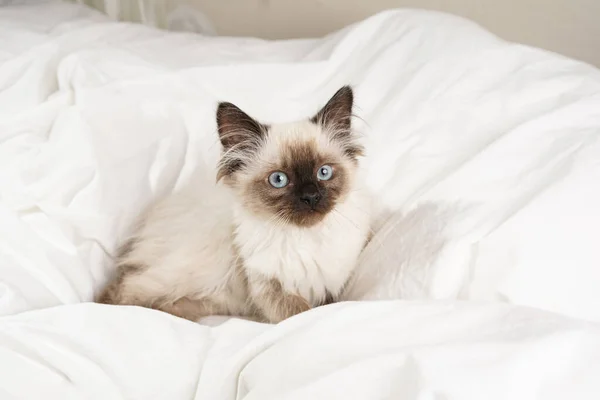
[(237, 128), (336, 115), (240, 136), (336, 119)]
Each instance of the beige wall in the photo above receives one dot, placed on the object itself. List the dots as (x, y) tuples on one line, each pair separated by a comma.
[(570, 27)]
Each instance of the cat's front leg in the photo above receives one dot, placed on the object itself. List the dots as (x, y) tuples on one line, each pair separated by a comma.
[(273, 301)]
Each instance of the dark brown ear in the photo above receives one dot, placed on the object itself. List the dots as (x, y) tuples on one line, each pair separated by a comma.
[(240, 136), (337, 113), (336, 118), (236, 127)]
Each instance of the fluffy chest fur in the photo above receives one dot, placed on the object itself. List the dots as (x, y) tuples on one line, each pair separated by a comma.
[(311, 262)]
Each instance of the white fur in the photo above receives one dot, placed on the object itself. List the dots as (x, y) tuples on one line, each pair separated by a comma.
[(307, 261)]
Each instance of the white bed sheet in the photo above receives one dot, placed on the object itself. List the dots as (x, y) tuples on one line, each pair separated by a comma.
[(484, 157), (370, 350)]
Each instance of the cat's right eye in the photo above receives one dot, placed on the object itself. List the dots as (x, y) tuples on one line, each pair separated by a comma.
[(278, 180)]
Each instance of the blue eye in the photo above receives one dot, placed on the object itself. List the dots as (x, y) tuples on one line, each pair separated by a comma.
[(325, 173), (278, 180)]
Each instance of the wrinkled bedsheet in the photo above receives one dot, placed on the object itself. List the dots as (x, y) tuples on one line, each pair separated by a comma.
[(483, 157)]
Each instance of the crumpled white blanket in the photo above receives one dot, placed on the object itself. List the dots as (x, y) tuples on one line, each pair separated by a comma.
[(483, 156)]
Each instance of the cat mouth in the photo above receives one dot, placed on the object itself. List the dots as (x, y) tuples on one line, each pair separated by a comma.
[(306, 209), (306, 216)]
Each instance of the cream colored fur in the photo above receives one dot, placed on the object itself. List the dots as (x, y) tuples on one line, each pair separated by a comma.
[(205, 250)]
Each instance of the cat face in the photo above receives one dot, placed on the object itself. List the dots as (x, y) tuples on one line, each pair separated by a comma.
[(292, 173)]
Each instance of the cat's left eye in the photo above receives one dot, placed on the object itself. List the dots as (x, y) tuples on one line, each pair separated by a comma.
[(325, 173)]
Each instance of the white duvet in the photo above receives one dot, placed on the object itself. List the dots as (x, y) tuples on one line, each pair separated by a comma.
[(484, 157)]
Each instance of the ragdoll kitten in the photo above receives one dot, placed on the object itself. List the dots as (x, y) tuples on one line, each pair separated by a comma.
[(279, 233)]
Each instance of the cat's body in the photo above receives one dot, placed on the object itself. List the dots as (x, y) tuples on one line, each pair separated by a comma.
[(246, 245)]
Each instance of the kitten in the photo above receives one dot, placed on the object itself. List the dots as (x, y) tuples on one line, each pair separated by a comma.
[(279, 233)]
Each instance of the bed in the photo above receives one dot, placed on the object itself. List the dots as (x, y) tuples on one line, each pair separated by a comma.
[(481, 281)]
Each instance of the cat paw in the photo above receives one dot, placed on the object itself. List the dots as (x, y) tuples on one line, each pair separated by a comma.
[(287, 307), (296, 305)]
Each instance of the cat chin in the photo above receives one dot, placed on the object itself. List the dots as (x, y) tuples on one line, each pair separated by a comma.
[(308, 219), (305, 219)]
